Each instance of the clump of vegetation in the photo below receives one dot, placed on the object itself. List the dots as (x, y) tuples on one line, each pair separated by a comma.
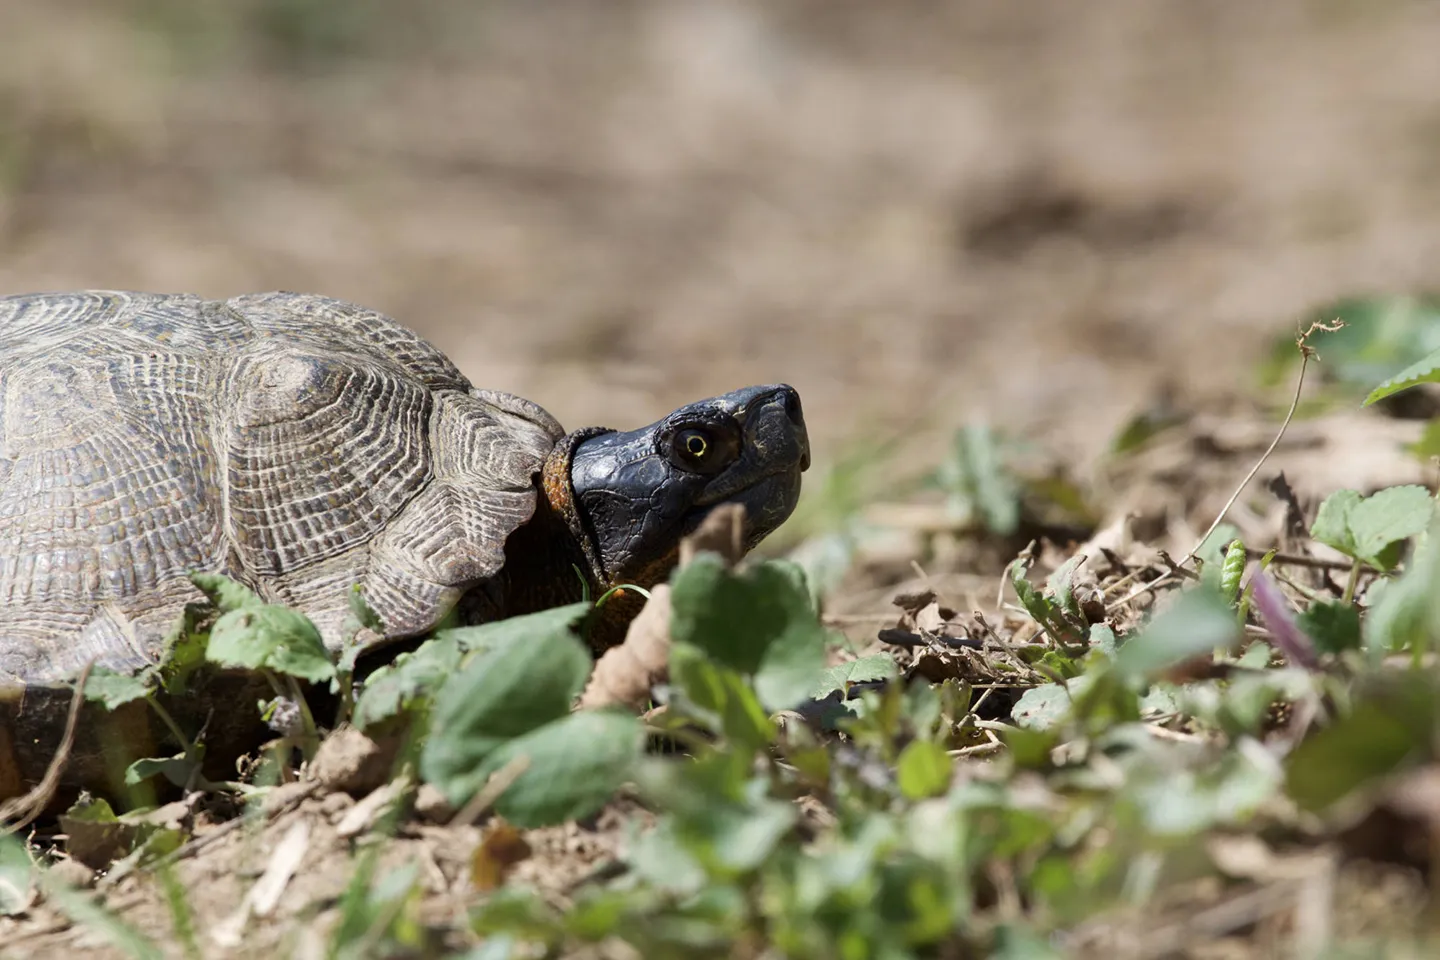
[(1131, 747)]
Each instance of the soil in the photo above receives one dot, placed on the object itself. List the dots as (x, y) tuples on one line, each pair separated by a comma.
[(920, 213)]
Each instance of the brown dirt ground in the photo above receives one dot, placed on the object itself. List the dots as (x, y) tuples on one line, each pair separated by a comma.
[(919, 213)]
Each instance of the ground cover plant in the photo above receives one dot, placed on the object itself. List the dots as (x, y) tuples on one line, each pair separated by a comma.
[(1118, 752)]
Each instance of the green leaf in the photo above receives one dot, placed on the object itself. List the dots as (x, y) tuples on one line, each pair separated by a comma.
[(177, 769), (1031, 599), (499, 633), (1197, 623), (500, 695), (1425, 370), (267, 636), (1332, 521), (1331, 625), (224, 593), (741, 839), (407, 681), (978, 481), (789, 669), (1030, 746), (1406, 613), (575, 764), (1368, 528), (879, 666), (1388, 517), (1429, 443), (1186, 801), (94, 835), (1061, 586), (17, 876), (720, 698), (185, 652), (360, 613), (114, 689), (1042, 707), (758, 621), (1356, 750), (923, 770)]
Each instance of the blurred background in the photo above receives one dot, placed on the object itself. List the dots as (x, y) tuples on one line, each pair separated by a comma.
[(922, 214)]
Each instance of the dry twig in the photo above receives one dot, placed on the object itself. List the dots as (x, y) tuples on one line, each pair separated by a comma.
[(19, 812)]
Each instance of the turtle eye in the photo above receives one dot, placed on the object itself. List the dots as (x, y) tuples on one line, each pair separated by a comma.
[(699, 450), (692, 445)]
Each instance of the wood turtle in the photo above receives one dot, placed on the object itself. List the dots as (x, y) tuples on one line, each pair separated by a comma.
[(302, 445)]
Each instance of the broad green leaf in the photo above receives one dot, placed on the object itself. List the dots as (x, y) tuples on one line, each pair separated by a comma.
[(1425, 370), (879, 666), (1042, 707), (789, 669), (500, 695), (1031, 599), (17, 876), (1030, 746), (758, 621), (1197, 623), (1356, 750), (575, 764), (978, 481), (224, 593), (407, 681), (93, 834), (1102, 640), (1017, 942), (185, 653), (1371, 528), (1429, 443), (741, 839), (177, 769), (1189, 800), (1332, 522), (662, 858), (499, 633), (1406, 614), (923, 770), (114, 689), (1388, 517), (596, 914), (1332, 626), (267, 636), (1061, 586), (360, 614), (724, 701), (1382, 334)]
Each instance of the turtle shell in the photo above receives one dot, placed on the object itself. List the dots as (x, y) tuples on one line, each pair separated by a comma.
[(296, 443)]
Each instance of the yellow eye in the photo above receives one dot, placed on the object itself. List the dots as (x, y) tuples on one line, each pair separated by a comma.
[(696, 445)]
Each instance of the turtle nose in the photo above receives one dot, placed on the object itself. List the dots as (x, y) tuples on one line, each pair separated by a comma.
[(789, 398)]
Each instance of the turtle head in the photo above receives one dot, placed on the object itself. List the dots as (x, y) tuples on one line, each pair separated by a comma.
[(633, 495)]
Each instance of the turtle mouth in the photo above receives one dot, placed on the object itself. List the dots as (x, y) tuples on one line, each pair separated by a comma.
[(768, 502), (767, 481)]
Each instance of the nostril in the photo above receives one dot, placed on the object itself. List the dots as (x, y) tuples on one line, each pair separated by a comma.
[(792, 406)]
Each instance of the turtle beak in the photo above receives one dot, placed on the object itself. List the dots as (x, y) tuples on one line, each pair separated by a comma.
[(776, 453)]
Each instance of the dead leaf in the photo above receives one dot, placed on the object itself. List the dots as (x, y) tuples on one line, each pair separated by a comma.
[(625, 674), (501, 847)]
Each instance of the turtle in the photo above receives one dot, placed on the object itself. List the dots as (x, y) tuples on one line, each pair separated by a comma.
[(305, 446)]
